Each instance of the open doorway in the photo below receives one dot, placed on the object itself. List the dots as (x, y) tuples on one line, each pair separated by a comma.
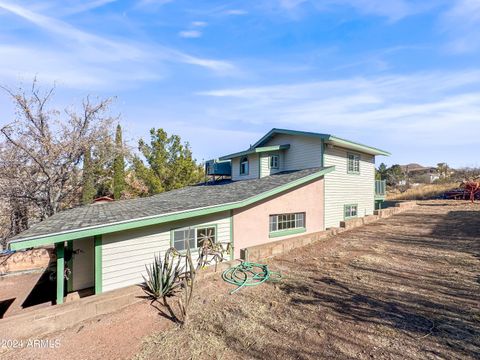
[(82, 266)]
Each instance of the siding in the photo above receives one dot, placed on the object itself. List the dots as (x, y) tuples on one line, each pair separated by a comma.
[(253, 167), (125, 254), (342, 188), (265, 169), (305, 152)]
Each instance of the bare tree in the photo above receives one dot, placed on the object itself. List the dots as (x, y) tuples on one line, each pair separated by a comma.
[(42, 149)]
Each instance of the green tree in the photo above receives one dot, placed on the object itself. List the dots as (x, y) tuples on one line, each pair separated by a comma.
[(394, 174), (118, 165), (381, 173), (88, 184), (169, 163)]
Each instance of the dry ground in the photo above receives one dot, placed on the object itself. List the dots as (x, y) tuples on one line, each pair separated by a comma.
[(402, 288)]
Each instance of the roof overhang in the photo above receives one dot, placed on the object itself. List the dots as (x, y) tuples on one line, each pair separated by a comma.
[(254, 150), (49, 239), (328, 139)]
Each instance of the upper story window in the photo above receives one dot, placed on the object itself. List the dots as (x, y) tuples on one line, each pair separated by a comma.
[(353, 163), (244, 166), (274, 161)]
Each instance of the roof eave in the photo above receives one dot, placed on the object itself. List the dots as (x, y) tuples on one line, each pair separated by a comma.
[(254, 150), (49, 239), (356, 146)]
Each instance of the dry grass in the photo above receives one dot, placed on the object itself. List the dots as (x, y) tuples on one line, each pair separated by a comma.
[(401, 288), (422, 192)]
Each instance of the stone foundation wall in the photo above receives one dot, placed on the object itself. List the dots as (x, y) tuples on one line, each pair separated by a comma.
[(25, 260)]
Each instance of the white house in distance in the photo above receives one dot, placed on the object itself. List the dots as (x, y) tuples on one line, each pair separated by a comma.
[(287, 183)]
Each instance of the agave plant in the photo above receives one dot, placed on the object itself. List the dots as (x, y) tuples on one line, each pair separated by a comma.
[(164, 277)]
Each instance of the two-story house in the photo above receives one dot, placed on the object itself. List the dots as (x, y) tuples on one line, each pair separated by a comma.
[(287, 183)]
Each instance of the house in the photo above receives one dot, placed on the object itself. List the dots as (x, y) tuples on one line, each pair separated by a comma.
[(287, 183)]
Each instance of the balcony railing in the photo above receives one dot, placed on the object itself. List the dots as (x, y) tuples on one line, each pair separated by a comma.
[(380, 188)]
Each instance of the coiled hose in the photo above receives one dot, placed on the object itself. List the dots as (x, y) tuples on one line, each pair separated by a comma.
[(249, 274)]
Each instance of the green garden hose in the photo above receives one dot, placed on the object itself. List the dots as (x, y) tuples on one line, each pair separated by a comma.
[(249, 274)]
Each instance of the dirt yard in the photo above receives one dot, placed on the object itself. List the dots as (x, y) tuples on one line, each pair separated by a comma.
[(407, 287)]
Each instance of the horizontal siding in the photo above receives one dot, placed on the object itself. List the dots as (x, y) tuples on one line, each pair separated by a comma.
[(265, 169), (125, 254), (252, 165), (305, 152), (342, 188)]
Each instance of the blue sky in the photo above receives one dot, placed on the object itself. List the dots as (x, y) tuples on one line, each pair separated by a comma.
[(399, 75)]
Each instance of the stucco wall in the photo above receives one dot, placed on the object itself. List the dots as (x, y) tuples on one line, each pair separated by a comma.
[(251, 224)]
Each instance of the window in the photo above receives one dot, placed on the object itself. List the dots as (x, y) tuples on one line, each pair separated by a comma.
[(287, 221), (192, 237), (353, 164), (244, 166), (351, 210), (274, 161)]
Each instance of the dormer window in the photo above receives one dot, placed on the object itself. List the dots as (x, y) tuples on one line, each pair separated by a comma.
[(244, 166), (274, 161)]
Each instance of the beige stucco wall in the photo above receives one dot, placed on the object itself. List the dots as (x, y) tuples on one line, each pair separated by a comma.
[(251, 224)]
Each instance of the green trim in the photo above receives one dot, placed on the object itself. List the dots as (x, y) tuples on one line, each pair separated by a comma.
[(98, 263), (357, 146), (326, 137), (359, 162), (159, 219), (232, 252), (345, 210), (60, 252), (70, 266), (274, 234), (324, 181), (254, 150)]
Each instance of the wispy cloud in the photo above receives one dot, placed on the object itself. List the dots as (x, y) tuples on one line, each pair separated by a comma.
[(235, 12), (462, 22), (92, 55), (199, 23), (392, 9), (190, 34), (427, 105)]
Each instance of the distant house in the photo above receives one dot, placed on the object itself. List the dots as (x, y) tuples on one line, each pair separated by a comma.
[(287, 183)]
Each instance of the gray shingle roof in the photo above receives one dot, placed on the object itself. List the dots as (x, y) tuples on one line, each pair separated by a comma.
[(188, 198)]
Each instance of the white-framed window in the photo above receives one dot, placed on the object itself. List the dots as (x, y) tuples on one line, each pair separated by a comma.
[(193, 237), (353, 163), (287, 221), (350, 211), (274, 161), (244, 165)]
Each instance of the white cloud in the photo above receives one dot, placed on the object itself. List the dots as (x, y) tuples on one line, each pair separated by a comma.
[(199, 23), (78, 57), (392, 9), (236, 12), (190, 34), (462, 22), (431, 105)]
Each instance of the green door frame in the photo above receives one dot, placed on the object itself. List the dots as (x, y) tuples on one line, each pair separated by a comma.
[(60, 251), (98, 263)]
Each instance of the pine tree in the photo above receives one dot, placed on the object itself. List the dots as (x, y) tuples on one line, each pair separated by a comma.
[(88, 188), (169, 163), (118, 166)]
